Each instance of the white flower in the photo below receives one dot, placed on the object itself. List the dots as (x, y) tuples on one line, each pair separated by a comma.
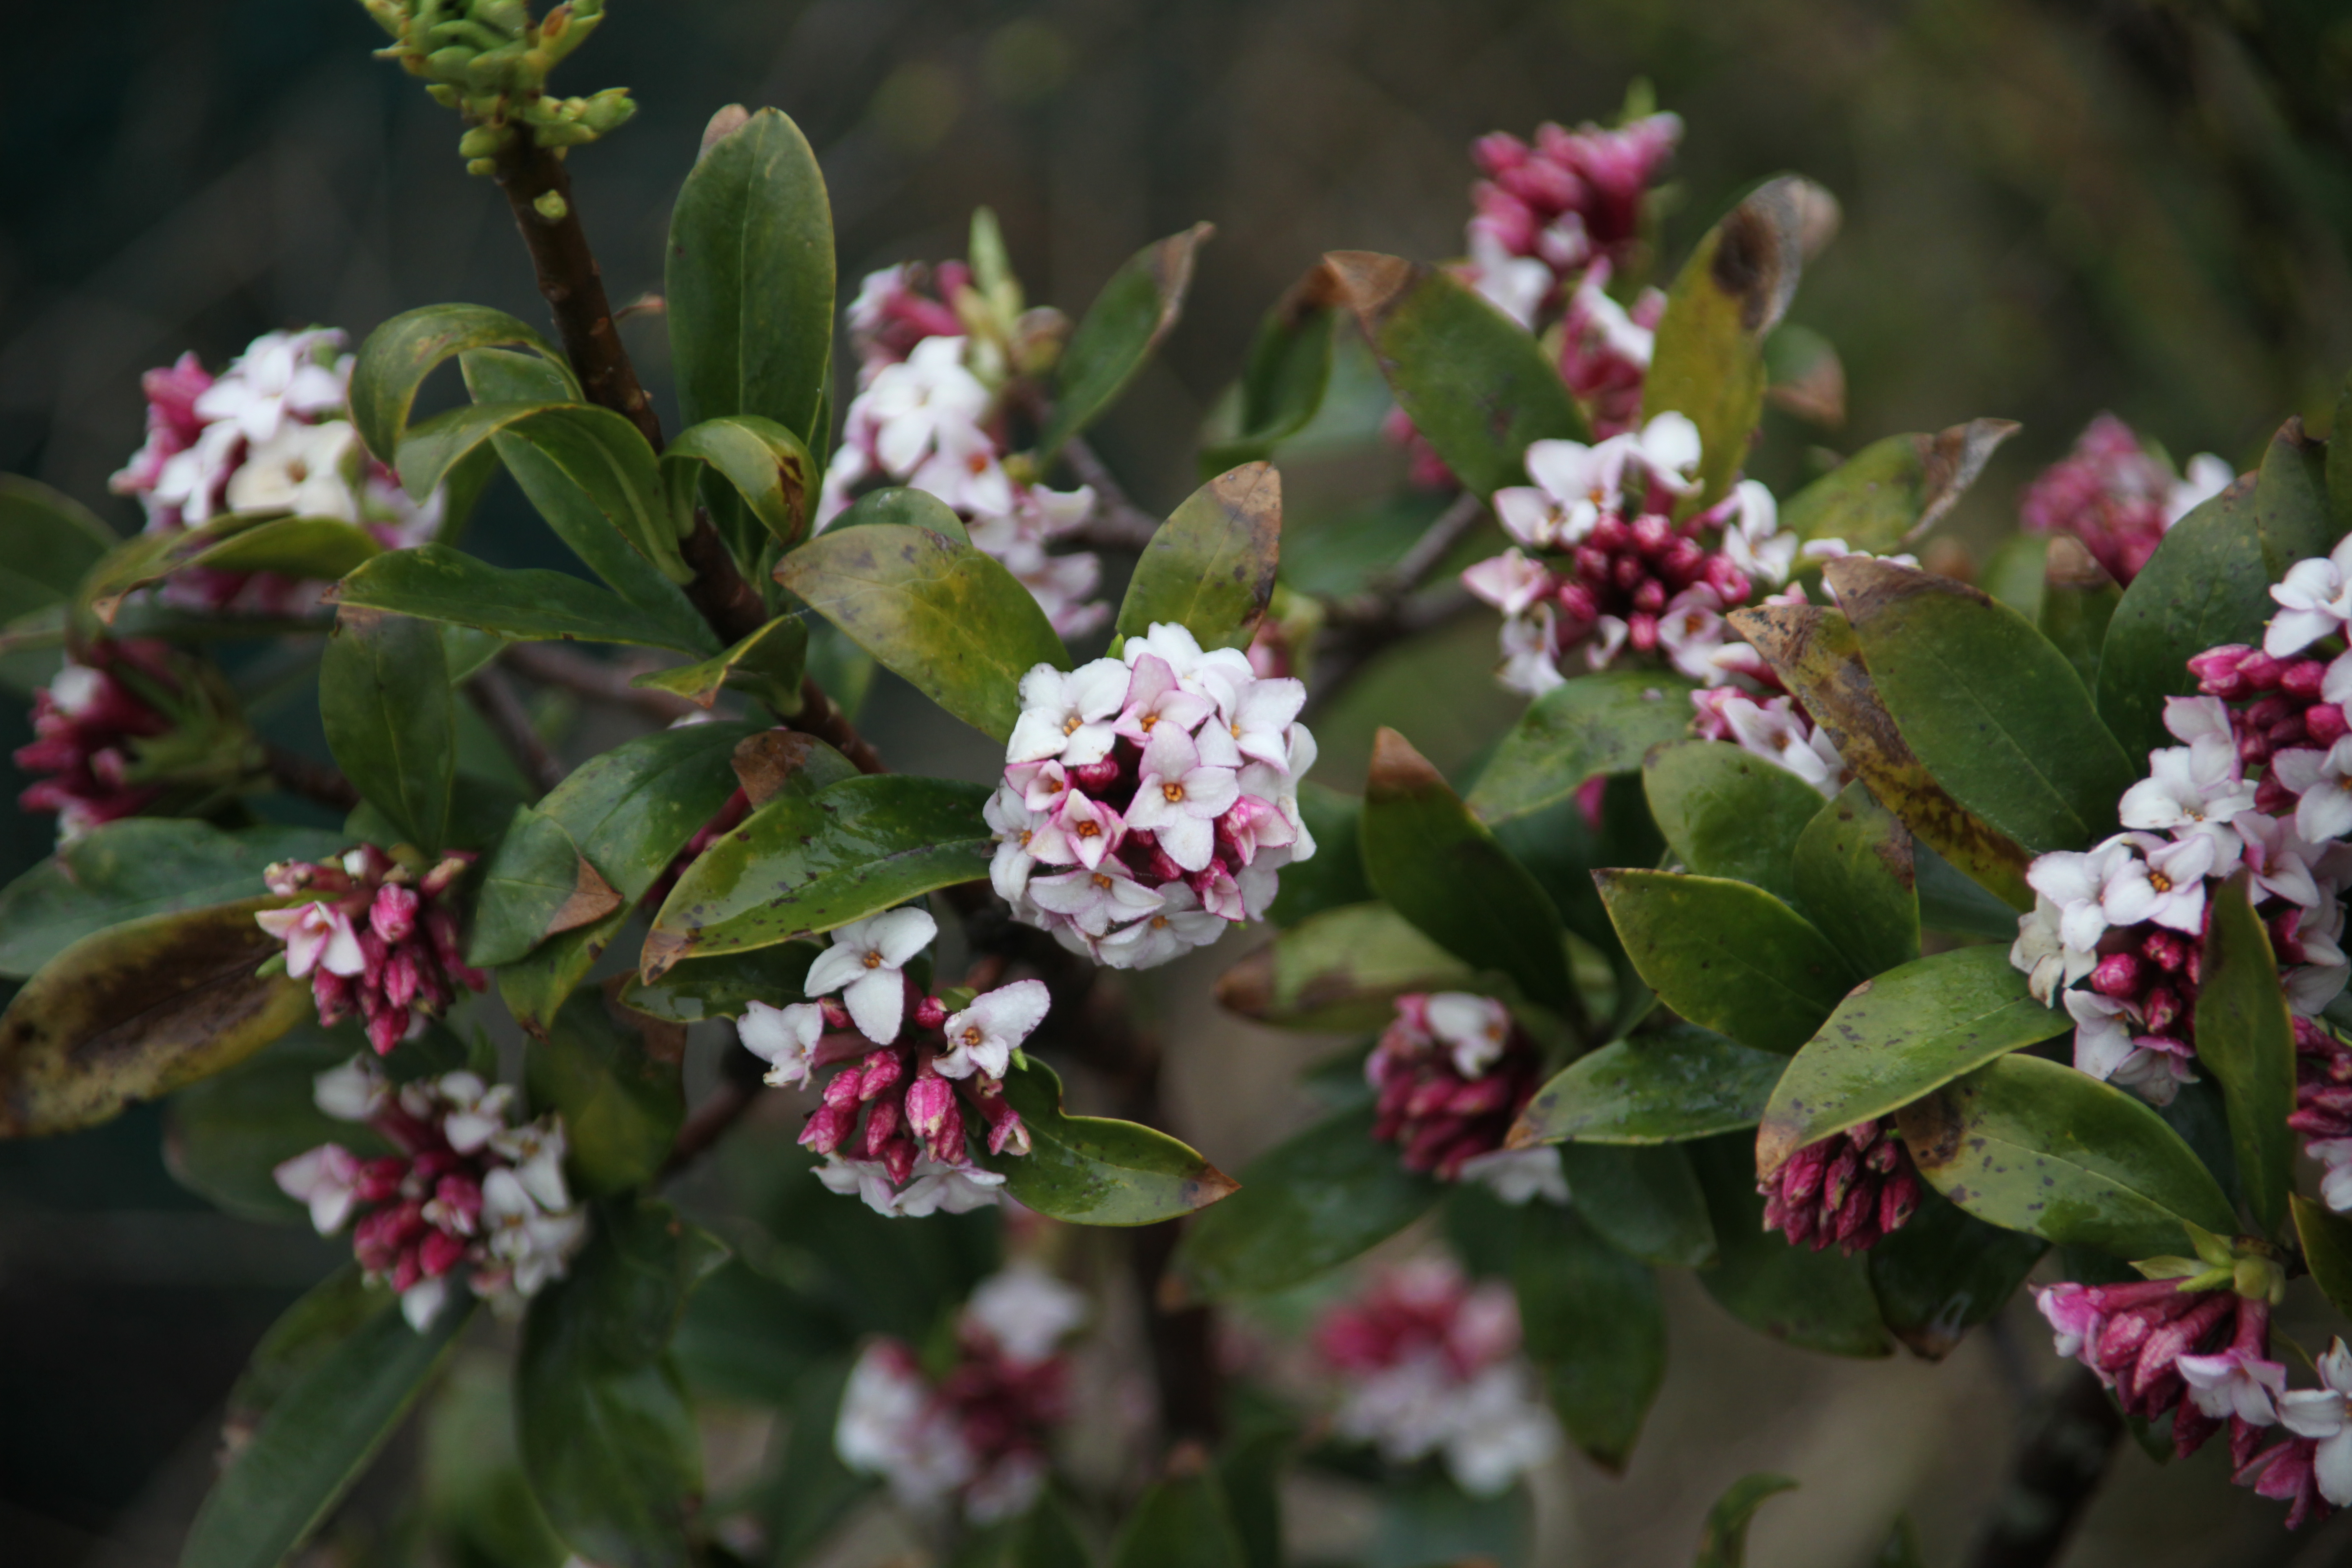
[(1776, 730), (1515, 285), (863, 964), (2279, 856), (982, 1038), (2187, 787), (1072, 716), (2336, 1184), (2079, 885), (947, 1189), (1691, 629), (888, 1426), (1279, 787), (2314, 599), (784, 1038), (356, 1091), (1474, 1028), (1096, 900), (1517, 1176), (2105, 1050), (2324, 1414), (1213, 673), (536, 1152), (326, 1180), (1179, 798), (2043, 955), (1090, 830), (1622, 337), (535, 1243), (1509, 582), (1024, 837), (2207, 476), (1154, 697), (422, 1303), (473, 1110), (1752, 539), (2324, 781), (1025, 1311), (1256, 723), (963, 471), (1530, 665), (910, 403), (2234, 1383), (1181, 924), (1668, 447), (191, 480), (279, 375), (315, 935), (307, 469), (1500, 1430)]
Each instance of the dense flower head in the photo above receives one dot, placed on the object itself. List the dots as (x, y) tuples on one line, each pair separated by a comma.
[(1430, 1364), (1567, 200), (1453, 1071), (1854, 1188), (913, 1079), (2118, 496), (377, 936), (1150, 800), (468, 1196), (978, 1434), (271, 433), (933, 410), (87, 726), (2201, 1356)]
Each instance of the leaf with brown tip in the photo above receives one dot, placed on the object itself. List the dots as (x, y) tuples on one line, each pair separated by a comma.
[(1209, 568), (1896, 489)]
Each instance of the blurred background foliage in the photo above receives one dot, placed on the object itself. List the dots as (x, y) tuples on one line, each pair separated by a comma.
[(2052, 208)]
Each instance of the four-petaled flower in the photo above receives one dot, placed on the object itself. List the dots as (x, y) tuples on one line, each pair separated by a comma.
[(784, 1038), (863, 964), (982, 1037), (1179, 797), (2325, 1416)]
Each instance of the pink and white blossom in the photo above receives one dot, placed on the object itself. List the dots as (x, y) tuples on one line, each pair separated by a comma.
[(864, 964)]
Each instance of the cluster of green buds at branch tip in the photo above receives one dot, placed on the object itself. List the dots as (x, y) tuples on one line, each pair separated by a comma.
[(489, 60), (2244, 1264)]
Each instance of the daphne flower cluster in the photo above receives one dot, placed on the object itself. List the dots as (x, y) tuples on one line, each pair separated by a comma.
[(906, 1063), (1430, 1365), (1453, 1071), (979, 1434), (932, 412), (2118, 496), (270, 433), (468, 1196), (378, 937), (1854, 1188), (88, 724), (1150, 800)]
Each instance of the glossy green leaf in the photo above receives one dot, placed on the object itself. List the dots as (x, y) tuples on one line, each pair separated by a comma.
[(1994, 712), (1305, 1205), (951, 621), (1283, 383), (1136, 307), (320, 548), (1341, 969), (398, 355), (1594, 1325), (2327, 1240), (1601, 723), (1210, 567), (537, 884), (53, 543), (764, 461), (1472, 380), (1728, 813), (392, 719), (1440, 868), (1665, 1088), (1561, 850), (767, 665), (1727, 956), (1180, 1523), (1897, 1037), (621, 1105), (434, 583), (1857, 881), (225, 1135), (1896, 488), (701, 989), (750, 278), (1945, 1272), (2033, 1146), (1643, 1200), (137, 866), (1724, 1544), (1092, 1170), (1335, 876), (362, 1366), (804, 865), (902, 504), (1814, 1300), (1815, 653), (2245, 1038), (1707, 361)]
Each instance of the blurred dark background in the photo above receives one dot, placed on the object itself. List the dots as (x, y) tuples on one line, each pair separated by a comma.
[(2049, 209)]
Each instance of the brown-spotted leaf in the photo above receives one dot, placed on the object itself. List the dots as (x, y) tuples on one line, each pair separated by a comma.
[(1209, 568), (773, 761), (137, 1010), (1896, 489)]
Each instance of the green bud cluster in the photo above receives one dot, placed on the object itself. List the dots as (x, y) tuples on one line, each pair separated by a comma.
[(489, 60), (2246, 1264)]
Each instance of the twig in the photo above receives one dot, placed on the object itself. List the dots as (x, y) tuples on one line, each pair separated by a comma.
[(312, 780), (819, 716), (1118, 523), (553, 664), (726, 1105), (2054, 1476), (493, 695)]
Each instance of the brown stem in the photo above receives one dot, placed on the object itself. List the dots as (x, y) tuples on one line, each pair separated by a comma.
[(819, 716), (1118, 523), (312, 780), (726, 1105), (493, 695), (2054, 1476), (553, 664)]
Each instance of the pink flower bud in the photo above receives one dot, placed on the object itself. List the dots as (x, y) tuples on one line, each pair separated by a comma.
[(2217, 670), (2118, 974), (393, 913), (2326, 723), (830, 1125), (882, 1070), (931, 1013), (2302, 678), (439, 1252)]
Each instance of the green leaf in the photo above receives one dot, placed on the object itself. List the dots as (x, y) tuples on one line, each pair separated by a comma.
[(137, 866), (1335, 876), (1475, 383), (1643, 1200), (902, 504), (1180, 1523), (1897, 1037), (2078, 602), (434, 583), (1339, 970), (1210, 567), (1046, 1537), (1283, 383), (398, 355), (768, 664), (1728, 813), (1667, 1088), (1994, 712), (1724, 1544), (1945, 1272), (1440, 868), (2018, 574), (1305, 1205), (803, 865), (1857, 879), (762, 460), (1816, 657), (1250, 1469), (1894, 489), (225, 1135), (704, 988), (952, 622), (2030, 1145), (392, 719), (1091, 1170), (1949, 902), (1707, 361), (816, 1490), (749, 278), (2245, 1038), (1727, 956), (1594, 1324), (362, 1367), (621, 1105), (1601, 723), (307, 547), (53, 543), (1136, 307), (537, 884), (1814, 1300), (2327, 1240)]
